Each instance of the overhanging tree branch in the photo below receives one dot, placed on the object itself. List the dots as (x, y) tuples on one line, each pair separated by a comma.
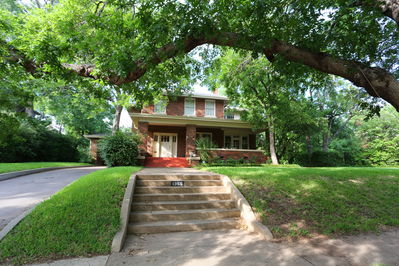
[(377, 81), (389, 8)]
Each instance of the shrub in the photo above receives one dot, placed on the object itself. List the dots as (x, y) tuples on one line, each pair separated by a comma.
[(31, 140), (120, 149), (204, 145), (324, 159)]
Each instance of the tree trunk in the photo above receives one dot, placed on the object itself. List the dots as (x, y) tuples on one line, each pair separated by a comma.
[(309, 146), (30, 112), (272, 145), (117, 118), (327, 135), (325, 141)]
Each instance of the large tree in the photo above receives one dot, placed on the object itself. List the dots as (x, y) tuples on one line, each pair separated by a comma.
[(120, 41)]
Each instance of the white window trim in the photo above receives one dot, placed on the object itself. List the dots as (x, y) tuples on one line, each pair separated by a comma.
[(195, 107), (214, 108), (240, 139)]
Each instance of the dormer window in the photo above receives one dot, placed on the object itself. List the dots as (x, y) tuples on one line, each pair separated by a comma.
[(160, 107), (231, 115), (210, 108), (189, 106)]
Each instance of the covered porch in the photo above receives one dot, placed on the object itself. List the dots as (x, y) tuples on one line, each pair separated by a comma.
[(163, 138)]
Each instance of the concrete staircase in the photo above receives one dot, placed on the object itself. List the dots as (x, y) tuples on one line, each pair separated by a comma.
[(203, 203)]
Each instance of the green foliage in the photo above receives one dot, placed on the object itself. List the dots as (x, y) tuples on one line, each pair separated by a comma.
[(120, 149), (380, 137), (76, 109), (31, 140), (252, 161), (321, 158), (303, 107), (204, 146), (331, 201), (78, 221), (12, 167)]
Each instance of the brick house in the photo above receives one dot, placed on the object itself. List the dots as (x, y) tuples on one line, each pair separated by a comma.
[(169, 130)]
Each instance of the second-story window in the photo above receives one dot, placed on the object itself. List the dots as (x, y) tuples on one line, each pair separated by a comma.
[(228, 115), (210, 108), (189, 106), (160, 107)]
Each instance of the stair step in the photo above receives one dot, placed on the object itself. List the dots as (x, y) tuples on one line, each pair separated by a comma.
[(188, 183), (177, 177), (181, 226), (179, 215), (181, 197), (157, 190), (182, 205)]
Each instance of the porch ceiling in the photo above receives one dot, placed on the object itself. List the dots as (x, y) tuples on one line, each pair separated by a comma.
[(188, 120)]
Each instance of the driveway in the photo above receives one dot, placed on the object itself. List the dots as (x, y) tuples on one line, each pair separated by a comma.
[(22, 193)]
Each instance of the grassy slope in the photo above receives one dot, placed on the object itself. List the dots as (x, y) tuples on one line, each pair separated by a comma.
[(12, 167), (296, 202), (80, 220)]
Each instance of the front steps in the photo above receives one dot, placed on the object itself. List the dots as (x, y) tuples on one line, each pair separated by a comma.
[(203, 203)]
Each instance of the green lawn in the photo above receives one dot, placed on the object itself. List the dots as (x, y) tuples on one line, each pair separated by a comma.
[(80, 220), (306, 202), (12, 167)]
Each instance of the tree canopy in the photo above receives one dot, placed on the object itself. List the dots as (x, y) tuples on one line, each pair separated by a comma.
[(130, 41)]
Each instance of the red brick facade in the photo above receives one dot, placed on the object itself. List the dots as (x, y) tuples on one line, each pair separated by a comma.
[(190, 140), (200, 107), (186, 133), (176, 107), (94, 152), (219, 109), (258, 156), (146, 137)]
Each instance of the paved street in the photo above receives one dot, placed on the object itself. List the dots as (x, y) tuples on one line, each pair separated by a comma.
[(20, 194)]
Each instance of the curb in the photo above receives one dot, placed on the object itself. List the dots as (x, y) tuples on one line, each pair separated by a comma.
[(10, 175), (14, 222), (119, 238), (247, 214)]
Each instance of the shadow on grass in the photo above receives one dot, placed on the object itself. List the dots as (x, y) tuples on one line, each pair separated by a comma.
[(307, 202)]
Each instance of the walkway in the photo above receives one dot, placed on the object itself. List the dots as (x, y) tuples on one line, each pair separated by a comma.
[(238, 247), (22, 193)]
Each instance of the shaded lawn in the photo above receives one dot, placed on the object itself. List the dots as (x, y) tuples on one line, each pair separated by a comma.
[(13, 167), (79, 220), (306, 202)]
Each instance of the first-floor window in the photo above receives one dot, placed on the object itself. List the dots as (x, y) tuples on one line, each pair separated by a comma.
[(236, 142), (244, 142), (205, 135), (227, 142)]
